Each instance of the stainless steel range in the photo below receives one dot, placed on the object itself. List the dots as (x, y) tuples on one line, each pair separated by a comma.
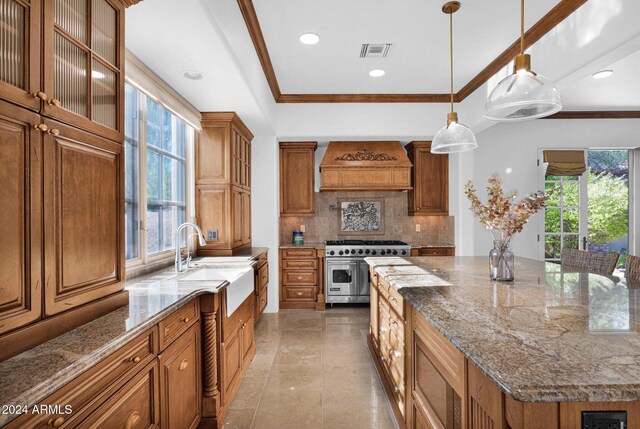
[(348, 274)]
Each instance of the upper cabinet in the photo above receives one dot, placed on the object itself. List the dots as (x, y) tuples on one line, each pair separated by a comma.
[(297, 178), (65, 59), (223, 183), (83, 64), (20, 38), (429, 179)]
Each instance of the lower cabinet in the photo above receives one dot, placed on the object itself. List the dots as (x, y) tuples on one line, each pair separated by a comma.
[(180, 381), (261, 282), (134, 406), (299, 278), (433, 251)]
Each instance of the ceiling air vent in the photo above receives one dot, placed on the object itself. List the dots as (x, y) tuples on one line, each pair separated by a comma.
[(375, 50)]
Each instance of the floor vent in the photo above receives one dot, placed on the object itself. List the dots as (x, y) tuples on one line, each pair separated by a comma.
[(375, 50)]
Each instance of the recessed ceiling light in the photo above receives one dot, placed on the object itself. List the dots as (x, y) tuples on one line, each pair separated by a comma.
[(309, 38), (602, 74), (193, 74), (377, 73)]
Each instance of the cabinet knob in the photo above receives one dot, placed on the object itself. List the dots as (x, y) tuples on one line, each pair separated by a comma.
[(186, 320), (54, 102), (183, 365), (57, 422), (135, 359), (381, 358), (262, 301), (54, 132), (299, 293), (396, 389), (299, 277), (41, 95), (244, 325), (397, 354), (41, 127), (132, 420)]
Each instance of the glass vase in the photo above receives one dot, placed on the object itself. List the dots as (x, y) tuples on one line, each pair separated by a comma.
[(501, 260)]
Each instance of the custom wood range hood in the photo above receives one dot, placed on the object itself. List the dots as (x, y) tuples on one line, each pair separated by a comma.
[(365, 166)]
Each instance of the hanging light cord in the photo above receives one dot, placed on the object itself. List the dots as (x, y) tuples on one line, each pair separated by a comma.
[(522, 26), (451, 56)]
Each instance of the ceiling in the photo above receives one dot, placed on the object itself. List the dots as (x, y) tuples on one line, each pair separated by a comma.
[(418, 61)]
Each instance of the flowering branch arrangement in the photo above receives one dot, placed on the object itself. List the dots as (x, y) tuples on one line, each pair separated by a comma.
[(502, 215)]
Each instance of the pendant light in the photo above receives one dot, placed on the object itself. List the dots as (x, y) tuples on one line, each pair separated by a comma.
[(523, 95), (455, 137)]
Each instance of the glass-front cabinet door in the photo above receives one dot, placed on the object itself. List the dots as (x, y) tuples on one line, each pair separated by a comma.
[(83, 64), (20, 52)]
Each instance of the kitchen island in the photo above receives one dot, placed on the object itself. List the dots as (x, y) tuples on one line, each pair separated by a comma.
[(535, 352)]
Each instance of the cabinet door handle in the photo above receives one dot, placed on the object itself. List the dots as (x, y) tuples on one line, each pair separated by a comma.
[(299, 277), (183, 365), (41, 127), (56, 423), (54, 102), (41, 95), (54, 132), (299, 293), (134, 359), (132, 420)]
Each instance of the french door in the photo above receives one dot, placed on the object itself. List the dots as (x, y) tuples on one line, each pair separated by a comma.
[(592, 211)]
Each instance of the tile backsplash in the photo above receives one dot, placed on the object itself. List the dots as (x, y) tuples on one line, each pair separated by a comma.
[(397, 226)]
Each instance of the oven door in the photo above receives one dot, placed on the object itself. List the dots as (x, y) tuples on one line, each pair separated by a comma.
[(342, 278), (364, 279)]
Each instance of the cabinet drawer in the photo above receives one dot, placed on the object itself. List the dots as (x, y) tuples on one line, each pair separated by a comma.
[(177, 323), (301, 264), (136, 405), (84, 393), (396, 302), (263, 277), (262, 302), (299, 278), (436, 251), (298, 253), (299, 293)]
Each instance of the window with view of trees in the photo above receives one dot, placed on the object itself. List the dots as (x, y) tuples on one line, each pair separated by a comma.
[(156, 175)]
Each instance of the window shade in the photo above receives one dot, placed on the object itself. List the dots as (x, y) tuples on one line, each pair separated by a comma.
[(565, 162)]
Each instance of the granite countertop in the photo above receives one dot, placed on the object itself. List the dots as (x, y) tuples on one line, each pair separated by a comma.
[(34, 374), (554, 334), (306, 245), (431, 245)]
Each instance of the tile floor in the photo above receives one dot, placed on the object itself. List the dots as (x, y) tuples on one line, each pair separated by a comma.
[(312, 370)]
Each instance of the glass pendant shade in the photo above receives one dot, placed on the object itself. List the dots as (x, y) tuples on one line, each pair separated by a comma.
[(522, 96), (454, 138)]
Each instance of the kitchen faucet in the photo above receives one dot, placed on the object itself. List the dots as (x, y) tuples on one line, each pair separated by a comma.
[(201, 240)]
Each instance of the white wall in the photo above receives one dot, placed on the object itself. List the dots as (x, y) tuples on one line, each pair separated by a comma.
[(516, 146), (265, 202)]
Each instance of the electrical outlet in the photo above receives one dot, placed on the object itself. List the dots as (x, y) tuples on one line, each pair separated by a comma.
[(302, 228), (417, 227), (212, 234)]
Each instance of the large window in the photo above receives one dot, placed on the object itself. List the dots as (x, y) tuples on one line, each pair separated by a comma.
[(156, 175)]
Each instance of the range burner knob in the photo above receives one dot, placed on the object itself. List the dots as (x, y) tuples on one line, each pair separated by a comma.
[(373, 252), (368, 251), (346, 251), (332, 252), (360, 251), (382, 252), (395, 252), (341, 253), (404, 252), (388, 251)]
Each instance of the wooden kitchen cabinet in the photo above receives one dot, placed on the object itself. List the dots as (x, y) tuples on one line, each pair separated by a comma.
[(297, 177), (261, 282), (21, 32), (299, 278), (433, 251), (21, 212), (83, 64), (83, 217), (223, 184), (429, 195), (180, 381)]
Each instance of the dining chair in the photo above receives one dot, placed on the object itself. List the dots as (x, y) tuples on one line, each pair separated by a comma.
[(591, 261), (632, 270)]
